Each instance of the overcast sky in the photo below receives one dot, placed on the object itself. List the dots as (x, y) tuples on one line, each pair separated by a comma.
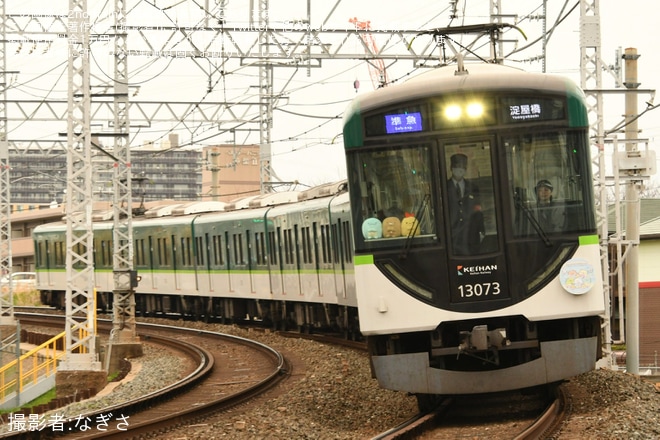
[(309, 148)]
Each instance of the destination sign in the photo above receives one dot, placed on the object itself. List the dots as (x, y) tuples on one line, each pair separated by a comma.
[(403, 123)]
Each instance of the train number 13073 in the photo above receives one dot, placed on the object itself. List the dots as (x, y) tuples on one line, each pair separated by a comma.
[(479, 290)]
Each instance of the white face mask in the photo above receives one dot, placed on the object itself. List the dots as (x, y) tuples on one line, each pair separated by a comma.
[(458, 172)]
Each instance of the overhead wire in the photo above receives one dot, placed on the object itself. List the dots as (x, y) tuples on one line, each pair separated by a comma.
[(625, 123), (558, 21), (45, 98), (222, 78)]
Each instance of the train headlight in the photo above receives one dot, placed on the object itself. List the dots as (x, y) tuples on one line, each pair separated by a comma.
[(475, 110), (452, 112)]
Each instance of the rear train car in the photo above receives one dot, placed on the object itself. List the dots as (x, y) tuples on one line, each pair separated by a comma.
[(467, 281), (284, 259)]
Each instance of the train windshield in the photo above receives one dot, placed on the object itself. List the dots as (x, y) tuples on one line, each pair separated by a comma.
[(471, 214), (549, 193), (395, 194)]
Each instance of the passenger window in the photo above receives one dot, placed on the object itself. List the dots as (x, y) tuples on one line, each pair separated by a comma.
[(395, 193)]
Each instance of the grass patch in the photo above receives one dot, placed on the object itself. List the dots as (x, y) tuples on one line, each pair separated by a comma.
[(44, 398), (27, 297)]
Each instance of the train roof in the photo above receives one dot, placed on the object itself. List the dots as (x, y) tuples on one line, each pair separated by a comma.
[(477, 77), (274, 204), (240, 203)]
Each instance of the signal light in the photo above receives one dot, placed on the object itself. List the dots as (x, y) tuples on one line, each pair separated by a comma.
[(135, 278)]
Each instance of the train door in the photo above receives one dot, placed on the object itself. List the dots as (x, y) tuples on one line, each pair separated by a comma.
[(291, 266), (44, 261), (275, 258), (337, 260), (250, 263), (309, 281), (152, 276), (477, 267), (216, 262), (239, 270), (340, 254), (207, 253), (175, 272), (323, 267), (261, 277), (232, 253), (227, 254)]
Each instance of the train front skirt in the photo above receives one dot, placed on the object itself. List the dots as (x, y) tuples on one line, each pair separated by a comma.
[(560, 359)]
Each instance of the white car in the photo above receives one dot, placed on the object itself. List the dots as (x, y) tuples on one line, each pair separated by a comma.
[(20, 280)]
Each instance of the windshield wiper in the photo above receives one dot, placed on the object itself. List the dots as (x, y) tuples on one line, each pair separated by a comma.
[(530, 216), (416, 225)]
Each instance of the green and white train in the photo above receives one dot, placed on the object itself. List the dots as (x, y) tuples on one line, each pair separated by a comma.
[(467, 280), (459, 289), (284, 259)]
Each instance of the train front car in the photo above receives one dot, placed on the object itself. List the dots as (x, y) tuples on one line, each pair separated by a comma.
[(476, 253)]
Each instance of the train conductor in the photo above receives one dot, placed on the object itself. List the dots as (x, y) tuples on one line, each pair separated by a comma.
[(466, 218)]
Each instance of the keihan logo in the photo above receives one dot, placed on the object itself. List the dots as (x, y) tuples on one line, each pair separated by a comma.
[(476, 270)]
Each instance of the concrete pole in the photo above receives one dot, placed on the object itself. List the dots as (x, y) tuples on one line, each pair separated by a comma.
[(632, 220), (214, 152)]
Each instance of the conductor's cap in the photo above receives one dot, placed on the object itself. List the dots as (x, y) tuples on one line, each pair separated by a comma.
[(459, 160), (545, 183)]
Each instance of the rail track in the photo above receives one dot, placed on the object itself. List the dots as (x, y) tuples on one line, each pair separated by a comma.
[(209, 388), (450, 419), (441, 423)]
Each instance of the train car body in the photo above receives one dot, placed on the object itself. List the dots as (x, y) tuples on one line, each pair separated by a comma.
[(282, 258), (466, 282)]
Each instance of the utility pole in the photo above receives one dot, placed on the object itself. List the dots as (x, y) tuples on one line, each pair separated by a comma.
[(496, 17), (213, 165), (632, 218)]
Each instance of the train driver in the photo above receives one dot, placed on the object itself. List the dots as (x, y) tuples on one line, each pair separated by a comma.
[(466, 218), (551, 217)]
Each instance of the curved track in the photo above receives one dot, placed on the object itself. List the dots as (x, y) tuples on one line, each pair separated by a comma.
[(430, 425), (200, 393)]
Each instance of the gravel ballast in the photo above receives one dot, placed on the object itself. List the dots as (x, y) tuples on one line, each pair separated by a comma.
[(336, 398)]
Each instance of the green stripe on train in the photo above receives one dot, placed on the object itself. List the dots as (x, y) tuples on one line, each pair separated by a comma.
[(167, 272), (353, 136), (588, 239), (363, 259)]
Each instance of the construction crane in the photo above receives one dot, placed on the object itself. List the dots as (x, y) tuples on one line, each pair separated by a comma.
[(376, 65)]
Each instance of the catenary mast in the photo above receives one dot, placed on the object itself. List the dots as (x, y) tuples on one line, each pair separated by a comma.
[(123, 341), (80, 302), (6, 297)]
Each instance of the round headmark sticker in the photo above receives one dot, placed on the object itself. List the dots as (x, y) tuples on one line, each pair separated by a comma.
[(577, 276)]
